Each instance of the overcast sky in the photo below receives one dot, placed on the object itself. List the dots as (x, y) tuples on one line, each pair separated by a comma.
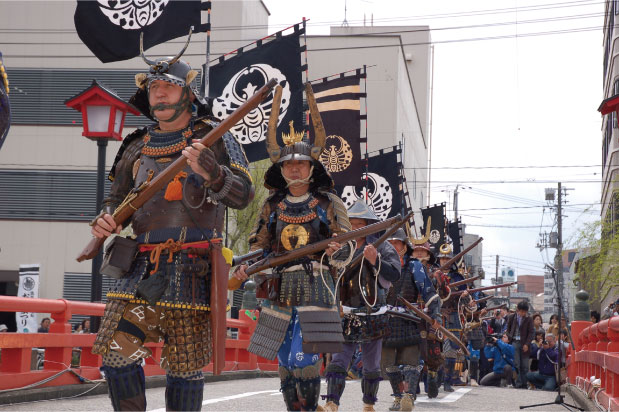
[(526, 98)]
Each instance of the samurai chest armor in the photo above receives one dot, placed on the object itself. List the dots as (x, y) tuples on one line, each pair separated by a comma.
[(165, 209), (297, 222), (360, 289), (403, 332)]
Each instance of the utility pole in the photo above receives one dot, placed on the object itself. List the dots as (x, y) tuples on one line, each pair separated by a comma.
[(456, 204), (496, 276), (559, 256)]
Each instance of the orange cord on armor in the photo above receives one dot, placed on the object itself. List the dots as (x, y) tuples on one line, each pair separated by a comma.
[(171, 245)]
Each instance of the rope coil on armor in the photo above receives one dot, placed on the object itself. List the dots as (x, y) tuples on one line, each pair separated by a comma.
[(338, 267)]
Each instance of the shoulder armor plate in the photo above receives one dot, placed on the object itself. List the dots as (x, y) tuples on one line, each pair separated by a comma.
[(339, 208), (132, 137), (238, 160)]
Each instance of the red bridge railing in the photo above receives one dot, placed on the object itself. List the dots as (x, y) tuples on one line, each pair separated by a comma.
[(59, 344), (596, 354)]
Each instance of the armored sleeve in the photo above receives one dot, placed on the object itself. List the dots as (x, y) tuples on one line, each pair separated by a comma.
[(426, 289), (235, 188), (390, 266), (121, 173), (260, 238)]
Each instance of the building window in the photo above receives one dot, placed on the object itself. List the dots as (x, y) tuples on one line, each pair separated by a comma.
[(33, 194)]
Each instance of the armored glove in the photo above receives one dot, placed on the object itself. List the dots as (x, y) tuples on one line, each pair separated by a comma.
[(209, 163)]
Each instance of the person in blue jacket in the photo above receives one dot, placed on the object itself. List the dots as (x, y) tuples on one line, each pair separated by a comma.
[(501, 354), (546, 355)]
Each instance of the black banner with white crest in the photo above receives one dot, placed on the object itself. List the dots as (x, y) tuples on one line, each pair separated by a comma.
[(339, 105), (111, 28), (437, 224), (382, 186), (236, 79)]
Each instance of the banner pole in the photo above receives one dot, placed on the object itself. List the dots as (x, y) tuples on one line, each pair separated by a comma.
[(367, 160), (205, 81)]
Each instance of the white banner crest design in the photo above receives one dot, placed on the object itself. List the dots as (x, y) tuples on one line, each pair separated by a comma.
[(379, 195), (132, 15)]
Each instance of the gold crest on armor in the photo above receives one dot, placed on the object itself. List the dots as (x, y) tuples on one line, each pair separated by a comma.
[(294, 236), (337, 155), (293, 137)]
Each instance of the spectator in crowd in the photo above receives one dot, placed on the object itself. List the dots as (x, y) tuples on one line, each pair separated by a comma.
[(3, 328), (554, 326), (520, 332), (565, 343), (535, 345), (595, 316), (498, 323), (537, 324), (501, 355), (44, 328), (547, 355), (611, 310)]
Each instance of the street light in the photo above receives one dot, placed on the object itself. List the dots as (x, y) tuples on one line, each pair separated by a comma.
[(103, 118)]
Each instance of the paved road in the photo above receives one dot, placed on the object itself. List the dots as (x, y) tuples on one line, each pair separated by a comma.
[(262, 395)]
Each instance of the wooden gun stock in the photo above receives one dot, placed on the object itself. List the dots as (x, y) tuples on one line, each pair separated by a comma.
[(141, 195), (503, 285), (463, 282)]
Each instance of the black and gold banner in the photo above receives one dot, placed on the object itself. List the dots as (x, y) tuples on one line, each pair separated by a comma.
[(339, 104)]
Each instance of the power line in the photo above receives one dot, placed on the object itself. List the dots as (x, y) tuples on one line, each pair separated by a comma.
[(416, 30), (502, 37)]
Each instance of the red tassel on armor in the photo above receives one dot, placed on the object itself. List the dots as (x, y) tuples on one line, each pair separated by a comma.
[(174, 191)]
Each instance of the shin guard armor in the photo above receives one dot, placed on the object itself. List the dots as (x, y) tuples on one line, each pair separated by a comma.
[(396, 379), (288, 389), (126, 387), (308, 392), (411, 377), (183, 394), (369, 387), (433, 384), (336, 381), (450, 363)]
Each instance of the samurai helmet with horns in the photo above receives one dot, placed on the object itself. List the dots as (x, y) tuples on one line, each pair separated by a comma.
[(422, 240), (296, 146), (171, 70)]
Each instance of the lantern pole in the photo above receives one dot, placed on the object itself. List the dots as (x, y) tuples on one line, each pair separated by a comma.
[(96, 285)]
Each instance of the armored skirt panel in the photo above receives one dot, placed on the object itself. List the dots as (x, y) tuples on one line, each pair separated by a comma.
[(402, 332), (183, 282), (310, 294), (166, 210)]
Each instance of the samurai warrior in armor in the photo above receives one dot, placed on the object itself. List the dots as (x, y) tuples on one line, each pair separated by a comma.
[(451, 314), (400, 359), (299, 318), (165, 293), (363, 290)]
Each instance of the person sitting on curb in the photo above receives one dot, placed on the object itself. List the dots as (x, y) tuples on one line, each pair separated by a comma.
[(546, 357), (501, 354)]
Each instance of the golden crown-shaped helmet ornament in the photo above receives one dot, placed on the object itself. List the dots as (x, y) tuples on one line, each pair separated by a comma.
[(293, 137)]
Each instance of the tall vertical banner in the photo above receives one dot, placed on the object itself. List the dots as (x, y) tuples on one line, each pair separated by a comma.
[(339, 105), (28, 288), (454, 230), (111, 29), (437, 224), (236, 79), (381, 185)]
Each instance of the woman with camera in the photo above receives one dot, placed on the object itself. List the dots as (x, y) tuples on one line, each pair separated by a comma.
[(501, 354)]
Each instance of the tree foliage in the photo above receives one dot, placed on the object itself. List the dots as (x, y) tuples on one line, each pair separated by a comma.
[(241, 222), (598, 268)]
